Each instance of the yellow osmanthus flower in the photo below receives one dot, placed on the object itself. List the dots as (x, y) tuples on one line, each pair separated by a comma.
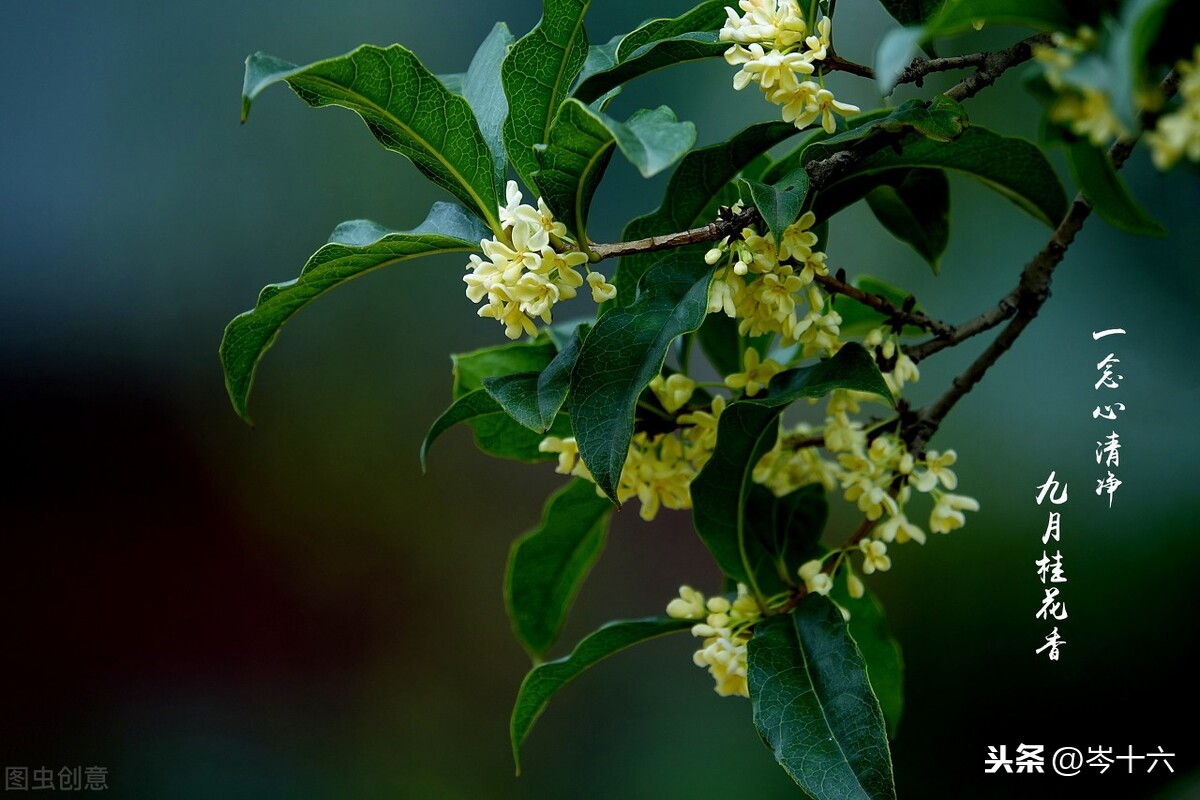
[(1087, 111), (815, 580), (755, 375), (524, 275), (674, 391), (777, 48), (1177, 134), (875, 557), (725, 629), (659, 468), (947, 512)]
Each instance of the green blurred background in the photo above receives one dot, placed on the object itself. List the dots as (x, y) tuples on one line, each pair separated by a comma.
[(295, 611)]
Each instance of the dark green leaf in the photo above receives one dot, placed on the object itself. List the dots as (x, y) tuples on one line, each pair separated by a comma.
[(747, 430), (910, 12), (470, 369), (814, 707), (500, 435), (517, 396), (880, 651), (666, 52), (599, 58), (780, 203), (941, 120), (718, 338), (623, 352), (656, 44), (535, 398), (917, 212), (957, 16), (545, 680), (698, 185), (547, 565), (858, 319), (1107, 192), (1014, 167), (581, 143), (537, 74), (782, 533), (798, 156), (472, 405), (707, 16), (577, 151), (482, 89), (404, 105), (354, 249)]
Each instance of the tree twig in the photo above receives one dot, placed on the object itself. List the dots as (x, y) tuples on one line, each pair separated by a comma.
[(1027, 299), (823, 172), (834, 285)]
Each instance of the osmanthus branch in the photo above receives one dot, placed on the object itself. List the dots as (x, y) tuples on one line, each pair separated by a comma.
[(823, 172), (1025, 302), (904, 315)]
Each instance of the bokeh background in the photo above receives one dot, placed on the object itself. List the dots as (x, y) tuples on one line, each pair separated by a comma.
[(294, 611)]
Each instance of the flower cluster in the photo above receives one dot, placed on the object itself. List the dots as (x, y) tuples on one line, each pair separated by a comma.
[(659, 468), (524, 273), (725, 629), (1086, 110), (766, 286), (775, 47), (1177, 134), (874, 470)]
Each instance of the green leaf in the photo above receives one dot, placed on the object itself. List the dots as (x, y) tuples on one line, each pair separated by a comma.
[(453, 81), (354, 249), (699, 184), (547, 565), (667, 52), (941, 120), (747, 430), (1107, 192), (653, 139), (545, 680), (623, 353), (1014, 167), (814, 707), (1129, 52), (910, 12), (718, 338), (599, 58), (880, 651), (472, 405), (572, 161), (897, 47), (895, 52), (799, 155), (404, 105), (500, 435), (581, 143), (535, 398), (917, 212), (482, 89), (707, 16), (656, 44), (858, 319), (780, 203), (782, 533), (536, 75)]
